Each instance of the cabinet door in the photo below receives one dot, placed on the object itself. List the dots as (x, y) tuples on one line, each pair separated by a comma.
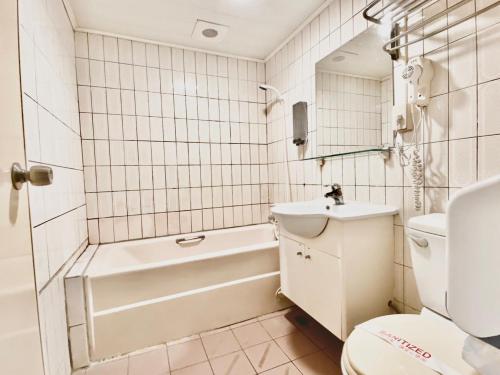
[(322, 278), (292, 270)]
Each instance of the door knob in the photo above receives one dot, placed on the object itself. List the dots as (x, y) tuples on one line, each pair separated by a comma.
[(37, 175)]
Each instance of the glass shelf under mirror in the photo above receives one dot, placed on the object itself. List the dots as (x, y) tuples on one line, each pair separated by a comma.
[(384, 151)]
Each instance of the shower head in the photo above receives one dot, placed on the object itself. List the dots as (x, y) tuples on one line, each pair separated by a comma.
[(272, 88)]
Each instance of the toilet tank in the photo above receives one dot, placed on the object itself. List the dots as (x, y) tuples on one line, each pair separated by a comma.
[(426, 238)]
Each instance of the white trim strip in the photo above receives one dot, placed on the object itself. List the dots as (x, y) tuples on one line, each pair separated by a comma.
[(184, 294), (171, 45), (308, 20)]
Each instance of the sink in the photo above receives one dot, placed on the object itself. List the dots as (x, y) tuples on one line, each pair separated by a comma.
[(337, 262), (308, 219)]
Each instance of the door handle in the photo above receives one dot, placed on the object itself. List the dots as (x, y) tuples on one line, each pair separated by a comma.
[(37, 175), (299, 253), (307, 257)]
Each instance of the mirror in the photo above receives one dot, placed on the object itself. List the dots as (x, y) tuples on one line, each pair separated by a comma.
[(354, 92)]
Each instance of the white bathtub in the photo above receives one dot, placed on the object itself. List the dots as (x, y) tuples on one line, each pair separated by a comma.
[(146, 292)]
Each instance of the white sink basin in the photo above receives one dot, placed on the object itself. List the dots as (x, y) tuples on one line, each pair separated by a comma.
[(308, 219)]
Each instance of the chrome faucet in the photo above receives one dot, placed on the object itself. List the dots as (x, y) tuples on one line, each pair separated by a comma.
[(336, 194)]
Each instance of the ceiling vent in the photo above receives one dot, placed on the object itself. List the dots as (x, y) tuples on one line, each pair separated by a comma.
[(209, 31)]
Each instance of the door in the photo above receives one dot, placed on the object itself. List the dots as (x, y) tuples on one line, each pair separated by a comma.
[(323, 286), (292, 270), (20, 347)]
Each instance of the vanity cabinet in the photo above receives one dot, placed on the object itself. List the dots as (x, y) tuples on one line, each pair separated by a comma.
[(342, 277)]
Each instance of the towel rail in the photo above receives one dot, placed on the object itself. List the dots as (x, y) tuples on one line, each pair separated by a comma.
[(398, 10), (388, 46)]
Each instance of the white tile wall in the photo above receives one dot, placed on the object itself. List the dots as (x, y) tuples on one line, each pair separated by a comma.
[(349, 112), (52, 133), (462, 141), (173, 141)]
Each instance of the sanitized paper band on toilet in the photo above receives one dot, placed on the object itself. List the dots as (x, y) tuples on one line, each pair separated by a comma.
[(421, 355)]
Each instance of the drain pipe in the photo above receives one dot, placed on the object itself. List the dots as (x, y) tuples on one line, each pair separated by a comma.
[(272, 219), (279, 293)]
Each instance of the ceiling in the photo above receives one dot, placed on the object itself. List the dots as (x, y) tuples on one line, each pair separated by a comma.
[(256, 27), (363, 56)]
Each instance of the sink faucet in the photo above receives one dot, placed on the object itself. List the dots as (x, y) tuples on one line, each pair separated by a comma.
[(336, 194)]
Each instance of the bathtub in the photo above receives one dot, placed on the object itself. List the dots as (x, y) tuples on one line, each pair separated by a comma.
[(146, 292)]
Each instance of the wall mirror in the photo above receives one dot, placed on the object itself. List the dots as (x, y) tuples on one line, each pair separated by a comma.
[(354, 95)]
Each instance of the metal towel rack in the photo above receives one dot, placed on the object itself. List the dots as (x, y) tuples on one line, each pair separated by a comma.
[(395, 11)]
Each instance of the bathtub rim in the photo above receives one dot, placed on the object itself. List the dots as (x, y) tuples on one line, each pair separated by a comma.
[(90, 273), (178, 261), (181, 235)]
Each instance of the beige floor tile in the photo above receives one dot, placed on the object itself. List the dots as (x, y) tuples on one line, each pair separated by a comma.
[(317, 364), (251, 334), (296, 345), (198, 369), (186, 354), (232, 364), (288, 369), (151, 362), (220, 343), (113, 367), (278, 326), (266, 356)]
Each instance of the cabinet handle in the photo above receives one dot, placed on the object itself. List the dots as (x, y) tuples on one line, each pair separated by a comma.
[(299, 253), (307, 257)]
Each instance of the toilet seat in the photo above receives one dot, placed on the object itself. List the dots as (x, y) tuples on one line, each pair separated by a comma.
[(364, 353)]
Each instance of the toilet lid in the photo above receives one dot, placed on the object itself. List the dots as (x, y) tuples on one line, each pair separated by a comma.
[(365, 353)]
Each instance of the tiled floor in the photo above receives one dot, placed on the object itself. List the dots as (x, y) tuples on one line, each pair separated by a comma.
[(288, 342)]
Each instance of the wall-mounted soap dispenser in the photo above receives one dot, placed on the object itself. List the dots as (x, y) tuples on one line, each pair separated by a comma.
[(300, 123)]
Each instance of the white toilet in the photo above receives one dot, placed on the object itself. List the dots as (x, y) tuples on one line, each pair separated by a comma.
[(367, 351)]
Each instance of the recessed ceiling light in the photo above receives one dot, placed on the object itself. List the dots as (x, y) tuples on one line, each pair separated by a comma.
[(210, 33)]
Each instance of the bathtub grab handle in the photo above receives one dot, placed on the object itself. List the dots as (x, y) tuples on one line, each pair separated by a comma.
[(180, 241)]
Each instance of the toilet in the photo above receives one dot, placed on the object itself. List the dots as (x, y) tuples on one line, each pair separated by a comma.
[(407, 343)]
